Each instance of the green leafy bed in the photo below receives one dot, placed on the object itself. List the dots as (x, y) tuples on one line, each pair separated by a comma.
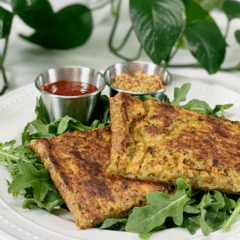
[(187, 208)]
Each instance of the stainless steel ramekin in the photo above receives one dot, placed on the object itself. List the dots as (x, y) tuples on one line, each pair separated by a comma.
[(80, 107), (131, 67)]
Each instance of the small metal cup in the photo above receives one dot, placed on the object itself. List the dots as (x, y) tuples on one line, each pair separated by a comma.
[(131, 67), (80, 107)]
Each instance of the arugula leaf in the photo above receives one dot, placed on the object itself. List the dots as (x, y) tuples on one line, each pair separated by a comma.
[(180, 94), (8, 156), (227, 225), (48, 204), (42, 128), (103, 109), (210, 213), (207, 217), (41, 111), (220, 108), (53, 129), (198, 106), (144, 235), (203, 108), (114, 224), (162, 25), (69, 122), (40, 190), (164, 226), (13, 156), (7, 153), (189, 224), (28, 177), (144, 219)]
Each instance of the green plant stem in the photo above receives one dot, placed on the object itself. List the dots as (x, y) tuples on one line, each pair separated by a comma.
[(232, 69), (227, 29), (124, 41), (5, 86), (4, 50), (196, 65), (113, 11), (170, 56), (110, 42)]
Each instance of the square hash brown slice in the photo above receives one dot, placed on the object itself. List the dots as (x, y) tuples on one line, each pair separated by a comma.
[(77, 163), (156, 141)]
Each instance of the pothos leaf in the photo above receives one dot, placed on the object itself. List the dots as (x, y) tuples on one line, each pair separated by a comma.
[(182, 43), (161, 206), (203, 37), (19, 5), (237, 36), (206, 44), (210, 5), (158, 24), (232, 9), (195, 11), (72, 28), (6, 22), (38, 14)]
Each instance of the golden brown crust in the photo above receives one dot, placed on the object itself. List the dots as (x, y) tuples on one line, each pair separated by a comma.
[(77, 163), (166, 142)]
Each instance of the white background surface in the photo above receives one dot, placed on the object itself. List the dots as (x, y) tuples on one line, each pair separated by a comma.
[(25, 61)]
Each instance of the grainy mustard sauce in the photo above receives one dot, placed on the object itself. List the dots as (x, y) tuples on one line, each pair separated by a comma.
[(139, 82)]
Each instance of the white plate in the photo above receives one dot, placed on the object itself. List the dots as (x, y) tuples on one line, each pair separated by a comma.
[(17, 108)]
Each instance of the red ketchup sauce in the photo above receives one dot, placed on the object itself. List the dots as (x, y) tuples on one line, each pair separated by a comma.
[(69, 88)]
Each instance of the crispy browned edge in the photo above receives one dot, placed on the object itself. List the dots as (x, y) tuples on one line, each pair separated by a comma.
[(120, 105)]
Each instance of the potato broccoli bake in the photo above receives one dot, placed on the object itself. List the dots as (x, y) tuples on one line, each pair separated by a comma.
[(77, 163), (156, 141)]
